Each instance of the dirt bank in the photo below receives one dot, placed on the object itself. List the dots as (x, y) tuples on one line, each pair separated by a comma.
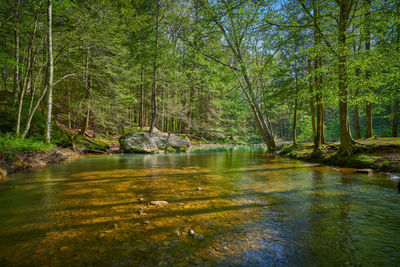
[(18, 161)]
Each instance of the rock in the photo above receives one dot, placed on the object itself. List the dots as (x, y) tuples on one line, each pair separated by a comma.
[(3, 173), (138, 144), (198, 236), (177, 143), (140, 200), (191, 232), (146, 222), (366, 171), (177, 233), (198, 188), (159, 203), (141, 212)]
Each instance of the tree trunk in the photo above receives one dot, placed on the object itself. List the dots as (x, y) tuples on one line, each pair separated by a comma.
[(88, 87), (368, 108), (312, 110), (319, 138), (346, 142), (295, 113), (154, 85), (50, 78), (16, 43), (356, 111), (25, 83)]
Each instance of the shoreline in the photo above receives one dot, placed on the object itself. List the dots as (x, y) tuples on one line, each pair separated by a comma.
[(26, 161), (384, 157)]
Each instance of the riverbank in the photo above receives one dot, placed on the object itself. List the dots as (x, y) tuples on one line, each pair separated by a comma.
[(18, 154), (380, 154), (19, 161)]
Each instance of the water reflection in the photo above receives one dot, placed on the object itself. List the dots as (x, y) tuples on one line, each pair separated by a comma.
[(252, 208)]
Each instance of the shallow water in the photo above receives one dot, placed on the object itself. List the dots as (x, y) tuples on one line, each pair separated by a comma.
[(252, 208)]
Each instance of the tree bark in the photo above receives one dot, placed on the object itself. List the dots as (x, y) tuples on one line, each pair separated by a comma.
[(154, 84), (88, 87), (295, 113), (16, 43), (311, 90), (346, 142), (50, 77), (368, 107), (25, 83)]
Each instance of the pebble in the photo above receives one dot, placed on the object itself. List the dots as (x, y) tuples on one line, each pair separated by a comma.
[(159, 203), (141, 212)]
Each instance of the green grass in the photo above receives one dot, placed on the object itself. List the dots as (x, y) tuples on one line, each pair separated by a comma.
[(10, 143)]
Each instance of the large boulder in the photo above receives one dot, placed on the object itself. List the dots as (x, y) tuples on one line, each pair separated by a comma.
[(138, 144), (152, 143), (177, 143)]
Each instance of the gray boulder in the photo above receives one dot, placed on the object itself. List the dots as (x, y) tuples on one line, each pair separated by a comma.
[(138, 144), (152, 143), (177, 143)]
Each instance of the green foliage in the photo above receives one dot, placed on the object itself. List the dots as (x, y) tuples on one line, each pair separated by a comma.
[(9, 143)]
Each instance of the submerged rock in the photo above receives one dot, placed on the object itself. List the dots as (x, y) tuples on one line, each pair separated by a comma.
[(159, 203), (141, 212), (366, 171)]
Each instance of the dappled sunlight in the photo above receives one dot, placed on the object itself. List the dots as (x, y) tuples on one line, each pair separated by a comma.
[(241, 209)]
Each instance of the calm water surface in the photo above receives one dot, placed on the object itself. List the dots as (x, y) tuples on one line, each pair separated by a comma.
[(253, 209)]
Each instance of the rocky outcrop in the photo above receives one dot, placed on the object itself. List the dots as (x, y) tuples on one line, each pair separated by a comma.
[(152, 143), (138, 144)]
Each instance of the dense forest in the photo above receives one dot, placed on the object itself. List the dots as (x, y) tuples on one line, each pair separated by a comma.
[(233, 71)]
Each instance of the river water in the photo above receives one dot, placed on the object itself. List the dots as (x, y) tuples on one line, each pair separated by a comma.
[(246, 208)]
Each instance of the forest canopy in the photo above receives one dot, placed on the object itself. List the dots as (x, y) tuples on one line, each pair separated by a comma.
[(232, 71)]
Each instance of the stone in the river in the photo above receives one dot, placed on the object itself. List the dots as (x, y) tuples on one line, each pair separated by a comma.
[(198, 236), (138, 144), (141, 212), (140, 200), (159, 203), (198, 188), (191, 232), (146, 222), (366, 171)]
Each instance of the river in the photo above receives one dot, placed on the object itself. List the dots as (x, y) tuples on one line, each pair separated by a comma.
[(237, 206)]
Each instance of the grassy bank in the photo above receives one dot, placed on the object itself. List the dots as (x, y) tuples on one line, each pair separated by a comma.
[(18, 154), (381, 154)]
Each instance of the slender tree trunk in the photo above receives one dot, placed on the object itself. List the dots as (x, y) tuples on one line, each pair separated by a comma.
[(346, 142), (319, 138), (154, 85), (25, 83), (50, 78), (69, 106), (356, 110), (295, 113), (368, 107), (16, 43), (311, 90), (85, 119)]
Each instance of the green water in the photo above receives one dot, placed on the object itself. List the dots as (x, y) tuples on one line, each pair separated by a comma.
[(252, 209)]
